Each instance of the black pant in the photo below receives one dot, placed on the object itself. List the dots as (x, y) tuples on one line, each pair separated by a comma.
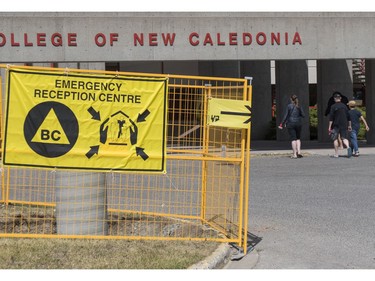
[(294, 130)]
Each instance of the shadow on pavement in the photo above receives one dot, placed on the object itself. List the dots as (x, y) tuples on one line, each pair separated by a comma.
[(252, 241)]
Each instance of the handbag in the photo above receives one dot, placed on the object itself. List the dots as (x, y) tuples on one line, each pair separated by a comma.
[(334, 134)]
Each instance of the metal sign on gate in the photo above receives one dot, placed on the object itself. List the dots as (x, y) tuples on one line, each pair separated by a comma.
[(229, 113)]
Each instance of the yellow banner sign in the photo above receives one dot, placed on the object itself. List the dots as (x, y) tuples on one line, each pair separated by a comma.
[(229, 113), (82, 121)]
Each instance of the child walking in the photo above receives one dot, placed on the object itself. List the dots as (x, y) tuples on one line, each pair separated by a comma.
[(355, 116)]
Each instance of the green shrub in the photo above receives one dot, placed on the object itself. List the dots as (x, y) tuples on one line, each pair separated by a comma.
[(313, 114)]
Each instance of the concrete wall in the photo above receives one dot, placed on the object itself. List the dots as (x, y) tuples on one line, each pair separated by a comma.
[(74, 37)]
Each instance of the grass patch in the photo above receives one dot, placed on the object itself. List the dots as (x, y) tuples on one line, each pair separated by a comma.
[(59, 253), (101, 254)]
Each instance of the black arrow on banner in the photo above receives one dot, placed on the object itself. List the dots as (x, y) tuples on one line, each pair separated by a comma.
[(142, 117), (239, 113), (95, 114), (94, 150), (140, 152)]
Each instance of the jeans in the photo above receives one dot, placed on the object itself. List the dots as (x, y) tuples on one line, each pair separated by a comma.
[(353, 140)]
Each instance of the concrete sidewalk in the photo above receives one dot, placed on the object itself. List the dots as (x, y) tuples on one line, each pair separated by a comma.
[(307, 147)]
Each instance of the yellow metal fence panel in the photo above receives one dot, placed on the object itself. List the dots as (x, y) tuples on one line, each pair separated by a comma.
[(203, 195)]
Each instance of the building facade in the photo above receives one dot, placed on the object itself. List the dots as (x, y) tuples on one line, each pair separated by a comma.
[(284, 52)]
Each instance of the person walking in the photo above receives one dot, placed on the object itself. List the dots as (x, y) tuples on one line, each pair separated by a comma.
[(293, 121), (356, 117), (339, 124), (331, 101)]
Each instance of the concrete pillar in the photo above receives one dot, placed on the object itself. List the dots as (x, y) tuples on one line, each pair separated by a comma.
[(67, 65), (92, 65), (332, 75), (44, 64), (220, 68), (370, 100), (142, 66), (205, 68), (261, 113), (292, 78), (180, 67), (226, 69), (81, 203)]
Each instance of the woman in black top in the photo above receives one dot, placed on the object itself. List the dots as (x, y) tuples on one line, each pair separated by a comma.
[(293, 120)]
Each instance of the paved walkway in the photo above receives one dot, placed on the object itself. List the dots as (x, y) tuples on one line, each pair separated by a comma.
[(222, 257), (277, 148)]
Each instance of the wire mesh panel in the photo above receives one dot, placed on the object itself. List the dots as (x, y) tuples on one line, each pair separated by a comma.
[(202, 195)]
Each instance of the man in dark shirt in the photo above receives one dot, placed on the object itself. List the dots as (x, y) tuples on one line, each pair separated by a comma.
[(339, 120), (331, 102)]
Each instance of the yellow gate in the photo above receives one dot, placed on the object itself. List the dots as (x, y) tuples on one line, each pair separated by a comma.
[(203, 195)]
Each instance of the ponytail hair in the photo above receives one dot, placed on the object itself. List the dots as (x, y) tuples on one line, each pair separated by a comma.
[(294, 100)]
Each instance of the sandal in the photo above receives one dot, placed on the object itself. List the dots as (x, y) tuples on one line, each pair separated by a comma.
[(299, 155), (293, 157)]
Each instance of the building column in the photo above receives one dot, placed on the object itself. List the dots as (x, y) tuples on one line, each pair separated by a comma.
[(180, 67), (83, 65), (92, 65), (219, 68), (332, 75), (43, 64), (142, 66), (292, 79), (370, 100), (261, 112), (67, 65)]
